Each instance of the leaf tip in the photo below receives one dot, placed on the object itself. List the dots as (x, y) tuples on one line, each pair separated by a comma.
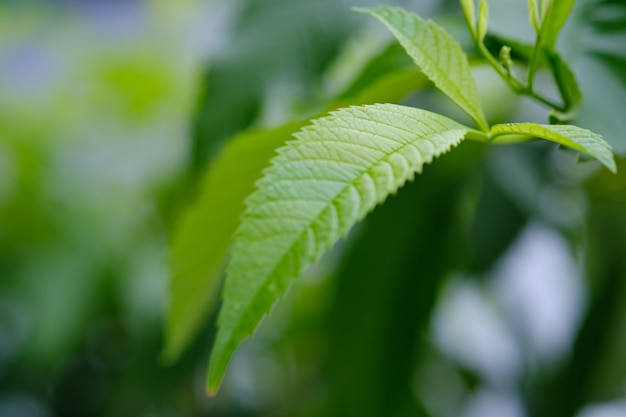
[(213, 383), (612, 166)]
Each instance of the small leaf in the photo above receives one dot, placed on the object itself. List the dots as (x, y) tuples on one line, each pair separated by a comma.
[(483, 19), (554, 17), (319, 186), (532, 15), (469, 10), (437, 54), (582, 140)]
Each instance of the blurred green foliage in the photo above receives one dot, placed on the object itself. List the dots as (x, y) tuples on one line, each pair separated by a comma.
[(110, 113)]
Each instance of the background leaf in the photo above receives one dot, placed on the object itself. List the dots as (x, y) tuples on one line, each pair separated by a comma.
[(316, 190), (393, 288), (204, 233), (284, 41), (437, 54)]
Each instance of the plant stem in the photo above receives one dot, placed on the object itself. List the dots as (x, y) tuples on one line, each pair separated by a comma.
[(515, 84), (478, 136)]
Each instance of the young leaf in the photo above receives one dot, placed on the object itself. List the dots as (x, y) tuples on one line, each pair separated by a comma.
[(319, 186), (574, 137), (437, 54), (469, 11), (532, 15), (483, 19), (570, 91), (553, 20)]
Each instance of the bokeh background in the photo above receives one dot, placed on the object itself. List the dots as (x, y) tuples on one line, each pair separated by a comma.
[(110, 113)]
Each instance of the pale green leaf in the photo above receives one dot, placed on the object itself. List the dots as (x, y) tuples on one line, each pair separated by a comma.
[(469, 11), (437, 54), (582, 140), (554, 17), (483, 20), (319, 186), (532, 15)]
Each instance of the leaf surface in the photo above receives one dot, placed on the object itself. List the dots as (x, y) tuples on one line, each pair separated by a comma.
[(438, 55), (582, 140), (319, 186), (203, 235)]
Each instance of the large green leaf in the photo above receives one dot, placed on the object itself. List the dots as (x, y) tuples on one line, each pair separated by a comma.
[(582, 140), (319, 186), (437, 54), (204, 232)]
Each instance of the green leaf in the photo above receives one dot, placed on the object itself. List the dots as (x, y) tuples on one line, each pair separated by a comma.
[(389, 60), (319, 186), (469, 11), (204, 233), (437, 54), (532, 15), (568, 86), (483, 19), (582, 140), (384, 290), (553, 20)]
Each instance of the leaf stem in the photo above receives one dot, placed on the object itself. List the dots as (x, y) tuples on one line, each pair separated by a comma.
[(478, 135)]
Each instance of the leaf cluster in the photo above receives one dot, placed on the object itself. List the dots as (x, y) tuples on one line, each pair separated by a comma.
[(342, 165)]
